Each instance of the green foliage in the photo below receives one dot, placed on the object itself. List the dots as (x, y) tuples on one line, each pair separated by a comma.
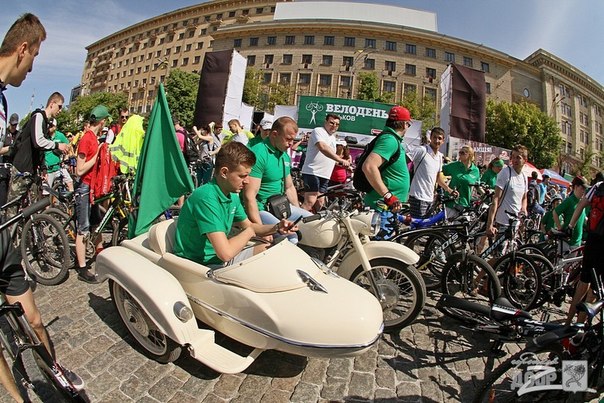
[(70, 119), (584, 165), (263, 96), (253, 88), (181, 93), (368, 89), (423, 109), (509, 124), (280, 94)]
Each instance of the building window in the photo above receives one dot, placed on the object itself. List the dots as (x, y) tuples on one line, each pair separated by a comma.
[(369, 43), (583, 100), (467, 61), (268, 59), (259, 10), (410, 69), (175, 63), (391, 46), (200, 45), (484, 66), (431, 53), (409, 88), (306, 59), (347, 62), (287, 59), (185, 61), (329, 40), (188, 47), (325, 80), (369, 64), (290, 40), (271, 40), (430, 73), (449, 57), (191, 33), (304, 78), (349, 41), (177, 49), (251, 60), (285, 78), (203, 31), (236, 43), (430, 93), (564, 91), (345, 81), (167, 52), (254, 41), (197, 60), (309, 39), (565, 109), (488, 88), (327, 60), (267, 78), (410, 49), (231, 14), (389, 66), (598, 110), (584, 119), (245, 12), (389, 86), (181, 36), (566, 128)]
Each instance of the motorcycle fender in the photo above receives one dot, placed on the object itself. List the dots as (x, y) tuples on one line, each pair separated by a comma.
[(373, 250), (155, 290)]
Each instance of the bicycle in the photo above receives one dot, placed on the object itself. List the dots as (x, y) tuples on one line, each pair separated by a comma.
[(31, 360)]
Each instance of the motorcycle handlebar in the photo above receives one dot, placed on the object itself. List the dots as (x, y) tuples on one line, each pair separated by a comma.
[(312, 218)]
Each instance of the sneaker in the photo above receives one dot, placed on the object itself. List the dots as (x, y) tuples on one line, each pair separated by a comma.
[(76, 381), (87, 277)]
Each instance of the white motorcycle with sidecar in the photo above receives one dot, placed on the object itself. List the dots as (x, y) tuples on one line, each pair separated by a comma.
[(280, 299)]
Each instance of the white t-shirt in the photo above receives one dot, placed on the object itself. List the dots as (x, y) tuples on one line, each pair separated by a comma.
[(317, 163), (517, 186), (240, 137), (427, 165)]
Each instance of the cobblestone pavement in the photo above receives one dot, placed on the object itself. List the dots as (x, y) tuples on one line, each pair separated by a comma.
[(434, 360)]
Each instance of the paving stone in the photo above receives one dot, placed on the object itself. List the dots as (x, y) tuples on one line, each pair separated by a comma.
[(254, 386), (227, 386), (362, 385), (385, 378), (181, 397), (365, 362), (315, 371), (285, 384), (431, 390), (409, 390), (305, 392), (340, 368), (334, 389), (276, 396), (115, 395), (103, 384), (165, 388), (134, 387)]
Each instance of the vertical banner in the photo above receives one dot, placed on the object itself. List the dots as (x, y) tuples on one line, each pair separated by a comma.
[(468, 103), (445, 101)]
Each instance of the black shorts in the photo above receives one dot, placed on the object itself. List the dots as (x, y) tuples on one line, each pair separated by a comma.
[(315, 183), (12, 276), (592, 258)]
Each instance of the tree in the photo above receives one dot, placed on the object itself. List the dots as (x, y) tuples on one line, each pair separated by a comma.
[(253, 88), (181, 93), (368, 87), (423, 109), (70, 119), (280, 94), (264, 96), (583, 167), (508, 124)]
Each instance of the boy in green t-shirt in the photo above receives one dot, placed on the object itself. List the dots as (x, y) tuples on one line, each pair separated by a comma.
[(208, 215)]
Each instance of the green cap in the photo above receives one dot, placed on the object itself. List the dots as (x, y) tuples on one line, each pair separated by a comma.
[(499, 163), (99, 112)]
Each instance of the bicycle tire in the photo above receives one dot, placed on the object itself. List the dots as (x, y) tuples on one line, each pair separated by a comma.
[(68, 226), (455, 281), (120, 231), (521, 279), (424, 245), (497, 387), (45, 250)]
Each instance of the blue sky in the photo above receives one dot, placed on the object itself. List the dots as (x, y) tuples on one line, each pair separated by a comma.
[(572, 30)]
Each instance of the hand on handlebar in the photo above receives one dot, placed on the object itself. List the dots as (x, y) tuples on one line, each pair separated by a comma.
[(491, 231), (393, 203)]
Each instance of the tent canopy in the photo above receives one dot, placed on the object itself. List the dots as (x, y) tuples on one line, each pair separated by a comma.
[(555, 177), (529, 168)]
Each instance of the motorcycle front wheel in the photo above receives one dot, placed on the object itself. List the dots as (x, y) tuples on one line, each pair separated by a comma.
[(401, 286)]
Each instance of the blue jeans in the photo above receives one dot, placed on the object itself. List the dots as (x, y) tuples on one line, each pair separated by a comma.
[(268, 218)]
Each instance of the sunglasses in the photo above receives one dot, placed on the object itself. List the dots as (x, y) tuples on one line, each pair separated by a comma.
[(60, 106), (462, 152), (124, 116)]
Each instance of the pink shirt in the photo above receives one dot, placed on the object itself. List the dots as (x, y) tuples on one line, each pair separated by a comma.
[(180, 136)]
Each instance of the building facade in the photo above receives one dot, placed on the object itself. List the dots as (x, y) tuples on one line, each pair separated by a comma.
[(318, 49)]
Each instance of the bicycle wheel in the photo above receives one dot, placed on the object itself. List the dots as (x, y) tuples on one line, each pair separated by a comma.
[(45, 250), (403, 289), (120, 231), (505, 382), (521, 279), (431, 256), (470, 277), (68, 226)]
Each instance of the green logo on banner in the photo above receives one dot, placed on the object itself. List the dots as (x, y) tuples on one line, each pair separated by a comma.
[(360, 117)]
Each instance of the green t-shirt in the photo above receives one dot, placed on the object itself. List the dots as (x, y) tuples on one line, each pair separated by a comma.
[(565, 212), (489, 178), (253, 141), (272, 167), (52, 160), (207, 210), (461, 179), (548, 221), (396, 175)]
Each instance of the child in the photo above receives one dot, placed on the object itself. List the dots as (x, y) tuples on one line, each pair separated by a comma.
[(340, 172)]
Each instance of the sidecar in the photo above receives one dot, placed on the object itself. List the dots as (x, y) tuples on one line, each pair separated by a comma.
[(280, 299)]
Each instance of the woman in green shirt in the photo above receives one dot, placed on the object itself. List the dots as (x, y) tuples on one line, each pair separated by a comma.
[(463, 173), (489, 177)]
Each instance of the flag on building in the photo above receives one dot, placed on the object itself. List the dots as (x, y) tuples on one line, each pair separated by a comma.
[(162, 175)]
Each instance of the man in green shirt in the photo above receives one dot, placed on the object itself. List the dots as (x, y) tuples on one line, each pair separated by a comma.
[(392, 183), (52, 159), (566, 209), (271, 176), (208, 215)]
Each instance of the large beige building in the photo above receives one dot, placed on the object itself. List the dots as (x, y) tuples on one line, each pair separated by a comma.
[(320, 48)]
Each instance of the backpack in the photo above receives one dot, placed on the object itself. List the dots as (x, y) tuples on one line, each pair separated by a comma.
[(191, 149), (532, 196), (411, 165), (359, 180), (596, 214)]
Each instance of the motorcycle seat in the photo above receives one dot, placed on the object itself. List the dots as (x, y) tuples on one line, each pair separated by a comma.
[(161, 236)]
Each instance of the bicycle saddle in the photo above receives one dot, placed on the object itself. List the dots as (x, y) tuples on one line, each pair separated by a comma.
[(590, 309)]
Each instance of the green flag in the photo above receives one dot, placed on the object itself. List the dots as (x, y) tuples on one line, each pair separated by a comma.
[(162, 175)]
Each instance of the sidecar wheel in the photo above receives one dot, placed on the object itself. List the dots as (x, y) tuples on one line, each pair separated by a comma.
[(159, 346), (403, 289)]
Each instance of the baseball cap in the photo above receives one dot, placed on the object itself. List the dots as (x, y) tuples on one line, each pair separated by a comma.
[(266, 124), (579, 180), (99, 112), (14, 119), (498, 163), (398, 112)]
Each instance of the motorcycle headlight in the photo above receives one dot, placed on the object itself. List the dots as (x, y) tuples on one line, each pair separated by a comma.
[(376, 222)]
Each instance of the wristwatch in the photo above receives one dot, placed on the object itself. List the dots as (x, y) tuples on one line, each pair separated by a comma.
[(387, 195)]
